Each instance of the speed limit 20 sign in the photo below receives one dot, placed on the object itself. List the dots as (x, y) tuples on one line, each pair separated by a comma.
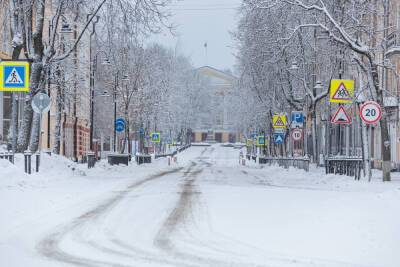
[(370, 112)]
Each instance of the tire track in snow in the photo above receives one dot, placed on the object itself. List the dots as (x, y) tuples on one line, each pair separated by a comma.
[(178, 219), (50, 245)]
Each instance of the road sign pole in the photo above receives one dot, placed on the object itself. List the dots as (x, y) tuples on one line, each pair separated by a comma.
[(306, 130), (40, 143), (14, 121), (115, 111)]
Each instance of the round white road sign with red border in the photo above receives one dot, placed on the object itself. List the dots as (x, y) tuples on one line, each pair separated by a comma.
[(297, 134), (370, 112)]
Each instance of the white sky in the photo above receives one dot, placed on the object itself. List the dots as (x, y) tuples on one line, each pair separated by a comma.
[(200, 21)]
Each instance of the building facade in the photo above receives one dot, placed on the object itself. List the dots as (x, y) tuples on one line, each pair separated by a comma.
[(217, 121), (71, 83)]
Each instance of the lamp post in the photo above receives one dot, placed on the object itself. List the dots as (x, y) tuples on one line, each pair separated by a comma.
[(92, 85), (116, 84)]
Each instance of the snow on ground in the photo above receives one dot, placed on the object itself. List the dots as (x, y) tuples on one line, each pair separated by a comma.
[(206, 210)]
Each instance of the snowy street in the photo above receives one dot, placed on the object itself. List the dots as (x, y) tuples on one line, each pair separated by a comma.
[(207, 210)]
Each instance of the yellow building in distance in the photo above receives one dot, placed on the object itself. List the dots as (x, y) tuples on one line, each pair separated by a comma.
[(217, 122)]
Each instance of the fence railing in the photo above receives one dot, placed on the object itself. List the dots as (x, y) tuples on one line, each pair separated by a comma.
[(350, 166), (8, 156), (180, 149), (299, 163)]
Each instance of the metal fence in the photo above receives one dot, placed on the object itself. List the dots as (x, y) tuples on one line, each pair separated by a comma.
[(8, 156), (299, 163), (350, 166)]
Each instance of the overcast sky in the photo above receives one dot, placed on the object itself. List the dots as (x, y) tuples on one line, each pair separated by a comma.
[(201, 21)]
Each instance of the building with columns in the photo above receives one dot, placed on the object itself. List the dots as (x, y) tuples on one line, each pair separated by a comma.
[(217, 120)]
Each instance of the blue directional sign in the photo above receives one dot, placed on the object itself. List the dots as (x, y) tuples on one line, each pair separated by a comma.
[(297, 119), (279, 138), (120, 125), (14, 76)]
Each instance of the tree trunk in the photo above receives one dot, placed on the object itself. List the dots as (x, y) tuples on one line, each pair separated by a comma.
[(385, 138), (26, 126), (35, 133), (366, 153), (17, 48), (57, 133), (314, 133)]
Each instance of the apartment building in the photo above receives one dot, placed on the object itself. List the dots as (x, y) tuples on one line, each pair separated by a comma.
[(73, 83)]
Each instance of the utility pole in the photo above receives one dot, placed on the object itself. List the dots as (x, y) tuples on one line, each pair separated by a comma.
[(93, 64)]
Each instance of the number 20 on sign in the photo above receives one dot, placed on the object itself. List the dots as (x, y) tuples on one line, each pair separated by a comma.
[(370, 112)]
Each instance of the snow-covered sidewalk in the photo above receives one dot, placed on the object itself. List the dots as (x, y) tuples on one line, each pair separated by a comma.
[(32, 204)]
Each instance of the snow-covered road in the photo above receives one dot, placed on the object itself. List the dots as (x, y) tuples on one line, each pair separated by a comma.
[(205, 211)]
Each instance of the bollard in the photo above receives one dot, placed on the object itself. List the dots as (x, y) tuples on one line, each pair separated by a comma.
[(11, 157), (37, 162), (169, 161), (28, 161), (175, 159), (244, 162), (91, 159)]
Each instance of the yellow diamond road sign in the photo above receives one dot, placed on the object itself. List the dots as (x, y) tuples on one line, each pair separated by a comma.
[(341, 91), (14, 76), (279, 121)]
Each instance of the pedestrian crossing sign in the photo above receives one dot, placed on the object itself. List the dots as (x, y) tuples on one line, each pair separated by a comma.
[(342, 91), (279, 121), (156, 137), (14, 76), (261, 140)]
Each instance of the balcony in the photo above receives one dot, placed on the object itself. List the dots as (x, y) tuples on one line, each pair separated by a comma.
[(393, 43), (390, 102)]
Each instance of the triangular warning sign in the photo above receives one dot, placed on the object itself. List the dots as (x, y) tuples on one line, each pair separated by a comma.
[(341, 117), (14, 78), (279, 122), (341, 93)]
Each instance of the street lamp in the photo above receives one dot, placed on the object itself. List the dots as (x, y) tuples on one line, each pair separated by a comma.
[(318, 85), (294, 66), (93, 67), (124, 78)]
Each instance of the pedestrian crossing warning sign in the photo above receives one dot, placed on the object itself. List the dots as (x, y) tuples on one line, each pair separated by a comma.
[(279, 121), (341, 91), (14, 76)]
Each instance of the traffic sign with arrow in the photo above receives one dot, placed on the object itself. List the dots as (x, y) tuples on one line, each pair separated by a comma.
[(41, 103), (279, 138), (120, 125)]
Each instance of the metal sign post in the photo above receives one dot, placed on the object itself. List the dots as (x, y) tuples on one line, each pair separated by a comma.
[(14, 77), (40, 104)]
